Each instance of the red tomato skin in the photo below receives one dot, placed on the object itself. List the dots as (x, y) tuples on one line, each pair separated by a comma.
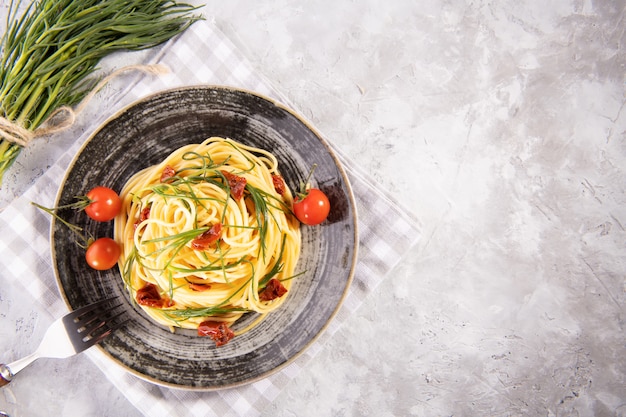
[(313, 209), (105, 204), (103, 254)]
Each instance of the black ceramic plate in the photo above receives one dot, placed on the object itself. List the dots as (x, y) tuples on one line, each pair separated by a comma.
[(142, 135)]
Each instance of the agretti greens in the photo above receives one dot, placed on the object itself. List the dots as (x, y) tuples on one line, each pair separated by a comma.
[(50, 51)]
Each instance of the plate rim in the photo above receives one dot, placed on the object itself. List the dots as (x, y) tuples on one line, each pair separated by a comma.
[(350, 195)]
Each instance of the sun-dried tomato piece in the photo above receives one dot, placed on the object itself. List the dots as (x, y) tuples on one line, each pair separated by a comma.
[(217, 331), (149, 296), (236, 183), (274, 289), (144, 215), (207, 238), (279, 184), (168, 172)]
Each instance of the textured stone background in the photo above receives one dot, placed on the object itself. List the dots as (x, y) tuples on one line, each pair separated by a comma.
[(501, 126)]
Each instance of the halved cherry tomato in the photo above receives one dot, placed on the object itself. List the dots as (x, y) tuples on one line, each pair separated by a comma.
[(103, 253), (104, 204), (313, 208)]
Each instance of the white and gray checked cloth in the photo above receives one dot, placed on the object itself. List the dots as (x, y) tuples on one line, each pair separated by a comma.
[(201, 55)]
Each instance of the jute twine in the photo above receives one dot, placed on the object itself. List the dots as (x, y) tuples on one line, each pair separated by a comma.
[(64, 117)]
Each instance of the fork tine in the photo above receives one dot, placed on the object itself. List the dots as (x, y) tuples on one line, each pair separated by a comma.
[(88, 308), (89, 325), (102, 336), (86, 319), (92, 325), (91, 340)]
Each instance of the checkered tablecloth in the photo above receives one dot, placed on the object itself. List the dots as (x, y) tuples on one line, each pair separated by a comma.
[(201, 55)]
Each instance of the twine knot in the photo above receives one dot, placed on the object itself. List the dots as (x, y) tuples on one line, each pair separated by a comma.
[(64, 117)]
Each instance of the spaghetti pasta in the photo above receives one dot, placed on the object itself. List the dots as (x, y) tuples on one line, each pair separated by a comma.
[(207, 235)]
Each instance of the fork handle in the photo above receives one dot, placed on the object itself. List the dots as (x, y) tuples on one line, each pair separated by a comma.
[(8, 371), (5, 374)]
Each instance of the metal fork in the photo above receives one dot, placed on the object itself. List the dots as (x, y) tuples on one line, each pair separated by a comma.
[(69, 335)]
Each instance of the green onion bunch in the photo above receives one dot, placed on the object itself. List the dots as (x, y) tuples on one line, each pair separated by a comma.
[(49, 51)]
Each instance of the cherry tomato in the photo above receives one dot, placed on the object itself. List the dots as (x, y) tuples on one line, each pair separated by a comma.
[(104, 204), (103, 253), (313, 209)]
